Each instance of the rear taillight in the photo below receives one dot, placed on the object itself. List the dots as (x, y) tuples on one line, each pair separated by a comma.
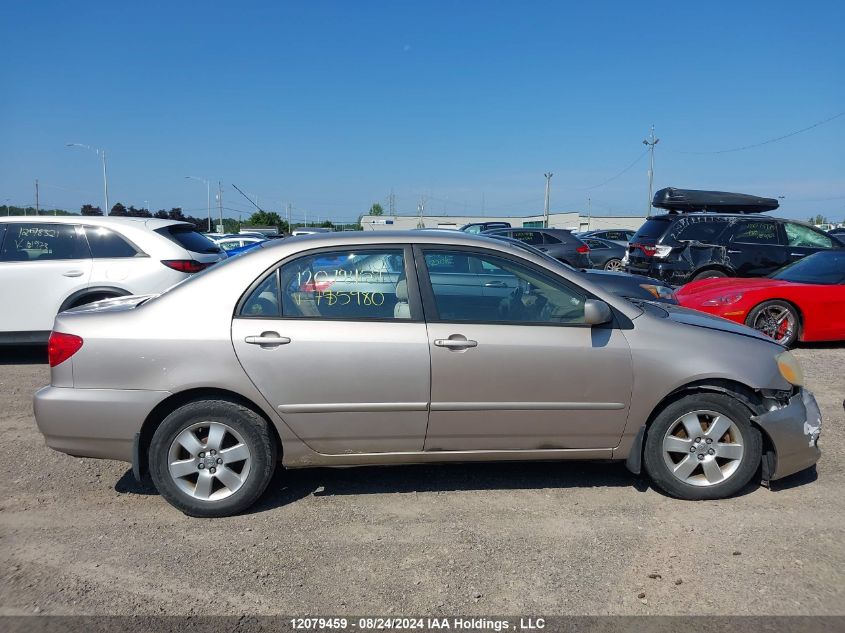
[(652, 251), (62, 346), (186, 265), (583, 249)]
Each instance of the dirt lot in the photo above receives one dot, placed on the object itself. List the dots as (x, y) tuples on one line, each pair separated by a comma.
[(79, 536)]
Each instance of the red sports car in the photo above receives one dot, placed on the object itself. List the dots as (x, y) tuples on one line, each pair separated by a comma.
[(804, 301)]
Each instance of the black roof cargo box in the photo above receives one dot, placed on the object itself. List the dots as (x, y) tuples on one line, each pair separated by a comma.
[(690, 200)]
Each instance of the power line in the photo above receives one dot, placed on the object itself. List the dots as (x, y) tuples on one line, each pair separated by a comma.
[(612, 178), (771, 140)]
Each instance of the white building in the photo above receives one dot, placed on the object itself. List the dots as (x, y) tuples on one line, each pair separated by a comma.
[(568, 220)]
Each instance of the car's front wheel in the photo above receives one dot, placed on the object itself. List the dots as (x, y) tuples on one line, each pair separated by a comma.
[(614, 265), (703, 446), (776, 319), (212, 458)]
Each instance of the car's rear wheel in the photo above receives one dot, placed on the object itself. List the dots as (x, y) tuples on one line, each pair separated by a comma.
[(709, 274), (702, 446), (212, 458), (614, 264), (776, 319)]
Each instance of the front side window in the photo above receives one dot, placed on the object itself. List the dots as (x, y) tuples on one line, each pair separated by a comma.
[(499, 290), (800, 235), (105, 243), (342, 284), (39, 242), (756, 233)]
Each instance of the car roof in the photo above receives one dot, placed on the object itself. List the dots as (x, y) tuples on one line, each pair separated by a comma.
[(95, 220), (432, 236)]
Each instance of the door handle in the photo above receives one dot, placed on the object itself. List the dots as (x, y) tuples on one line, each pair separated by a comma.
[(495, 284), (73, 273), (798, 254), (267, 339), (734, 252), (451, 343)]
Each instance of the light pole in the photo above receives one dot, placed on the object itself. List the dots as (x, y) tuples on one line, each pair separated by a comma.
[(546, 204), (102, 154), (651, 142), (208, 195)]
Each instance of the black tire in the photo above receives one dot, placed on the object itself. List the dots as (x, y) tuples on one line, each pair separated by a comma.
[(788, 341), (709, 274), (661, 475), (253, 430)]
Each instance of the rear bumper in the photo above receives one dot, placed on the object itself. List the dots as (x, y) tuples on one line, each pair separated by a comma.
[(93, 422), (794, 431), (673, 273)]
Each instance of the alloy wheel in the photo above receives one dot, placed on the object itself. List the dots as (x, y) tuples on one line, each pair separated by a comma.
[(209, 461), (775, 321), (615, 265), (703, 448)]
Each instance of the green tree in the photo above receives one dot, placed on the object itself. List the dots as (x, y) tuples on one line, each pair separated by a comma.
[(266, 218), (819, 219), (118, 210), (376, 209), (90, 209)]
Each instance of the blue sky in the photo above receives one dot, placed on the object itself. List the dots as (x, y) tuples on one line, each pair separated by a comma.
[(329, 105)]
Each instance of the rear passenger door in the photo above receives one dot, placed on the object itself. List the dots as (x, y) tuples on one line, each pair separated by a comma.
[(756, 248), (41, 265)]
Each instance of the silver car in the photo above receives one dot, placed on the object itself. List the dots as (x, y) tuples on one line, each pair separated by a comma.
[(409, 347)]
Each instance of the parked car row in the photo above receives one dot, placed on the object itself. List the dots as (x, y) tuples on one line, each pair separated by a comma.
[(414, 347)]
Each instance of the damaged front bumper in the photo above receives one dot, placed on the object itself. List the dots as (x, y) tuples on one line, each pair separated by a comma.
[(794, 430)]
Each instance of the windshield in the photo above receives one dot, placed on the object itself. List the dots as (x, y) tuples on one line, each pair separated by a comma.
[(821, 268)]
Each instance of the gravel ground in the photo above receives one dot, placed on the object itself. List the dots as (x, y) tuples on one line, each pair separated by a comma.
[(79, 536)]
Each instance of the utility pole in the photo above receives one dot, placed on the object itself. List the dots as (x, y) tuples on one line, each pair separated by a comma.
[(207, 193), (589, 212), (391, 203), (420, 212), (102, 154), (546, 204), (650, 142), (220, 204), (289, 226), (36, 198)]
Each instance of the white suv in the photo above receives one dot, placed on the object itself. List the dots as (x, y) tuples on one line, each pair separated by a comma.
[(50, 264)]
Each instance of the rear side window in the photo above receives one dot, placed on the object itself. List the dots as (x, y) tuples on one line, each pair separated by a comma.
[(189, 239), (653, 229), (799, 235), (529, 237), (346, 284), (756, 233), (594, 244), (106, 244), (706, 231), (42, 241)]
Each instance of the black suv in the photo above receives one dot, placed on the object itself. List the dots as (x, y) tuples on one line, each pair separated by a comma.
[(716, 234)]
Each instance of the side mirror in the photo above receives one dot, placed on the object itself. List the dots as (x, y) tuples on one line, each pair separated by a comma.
[(596, 312)]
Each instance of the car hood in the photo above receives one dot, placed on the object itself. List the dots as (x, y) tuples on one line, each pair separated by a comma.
[(694, 318), (721, 285)]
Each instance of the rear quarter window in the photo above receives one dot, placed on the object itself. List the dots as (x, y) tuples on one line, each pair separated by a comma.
[(106, 244), (189, 238), (697, 229), (652, 230)]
